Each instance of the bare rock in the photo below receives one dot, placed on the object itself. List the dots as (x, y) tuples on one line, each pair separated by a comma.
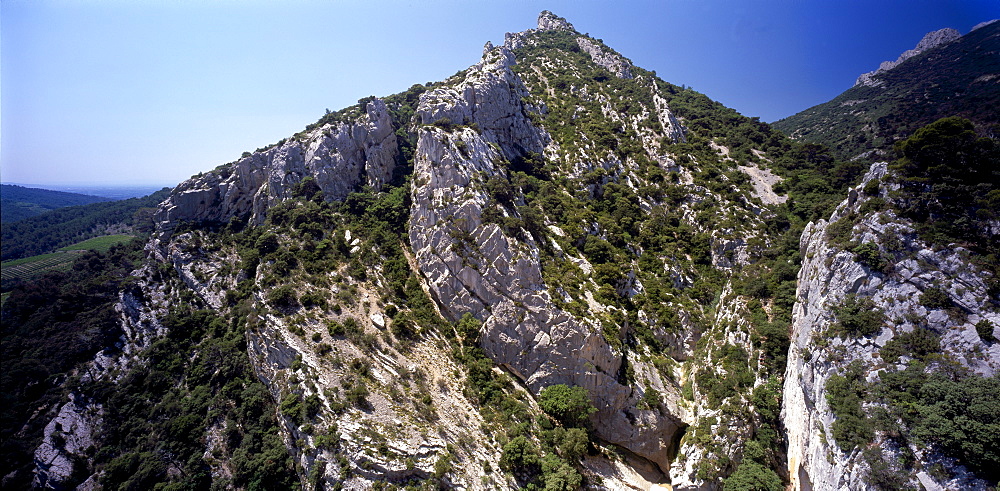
[(67, 442), (338, 156), (614, 62), (547, 21), (930, 40), (828, 275)]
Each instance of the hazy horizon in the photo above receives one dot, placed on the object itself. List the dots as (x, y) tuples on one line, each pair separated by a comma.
[(158, 92)]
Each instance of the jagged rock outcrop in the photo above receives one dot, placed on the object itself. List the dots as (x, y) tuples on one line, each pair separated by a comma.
[(474, 267), (930, 40), (339, 156), (66, 442), (614, 62), (548, 20), (830, 274), (601, 255)]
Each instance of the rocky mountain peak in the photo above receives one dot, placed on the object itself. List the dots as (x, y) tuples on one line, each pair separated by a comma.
[(930, 40), (548, 21), (937, 38), (983, 24)]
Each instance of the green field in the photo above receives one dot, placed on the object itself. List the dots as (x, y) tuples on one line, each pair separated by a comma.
[(99, 244), (61, 260)]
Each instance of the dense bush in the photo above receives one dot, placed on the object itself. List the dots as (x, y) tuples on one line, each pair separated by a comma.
[(960, 417), (64, 226), (161, 417), (49, 326), (569, 405), (845, 393), (935, 298), (918, 344), (949, 181), (857, 317)]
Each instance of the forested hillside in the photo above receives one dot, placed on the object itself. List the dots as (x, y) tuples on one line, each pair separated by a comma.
[(19, 202), (61, 227)]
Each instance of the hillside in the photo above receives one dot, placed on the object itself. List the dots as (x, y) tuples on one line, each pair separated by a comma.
[(53, 229), (18, 202), (552, 270), (960, 77)]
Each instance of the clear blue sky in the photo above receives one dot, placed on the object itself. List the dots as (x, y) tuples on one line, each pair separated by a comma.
[(152, 92)]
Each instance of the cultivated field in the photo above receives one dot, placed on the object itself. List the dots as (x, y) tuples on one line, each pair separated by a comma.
[(61, 260)]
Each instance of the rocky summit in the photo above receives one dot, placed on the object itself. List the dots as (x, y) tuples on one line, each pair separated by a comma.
[(552, 270)]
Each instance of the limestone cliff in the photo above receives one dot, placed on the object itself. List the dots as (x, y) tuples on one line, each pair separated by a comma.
[(895, 274), (340, 156), (475, 267)]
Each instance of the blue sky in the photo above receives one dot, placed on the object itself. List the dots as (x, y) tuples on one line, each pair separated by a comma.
[(152, 92)]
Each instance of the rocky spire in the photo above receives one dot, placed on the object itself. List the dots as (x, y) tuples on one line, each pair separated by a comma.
[(547, 20)]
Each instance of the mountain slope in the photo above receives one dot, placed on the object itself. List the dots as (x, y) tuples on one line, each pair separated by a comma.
[(960, 77), (893, 367), (551, 270), (18, 202)]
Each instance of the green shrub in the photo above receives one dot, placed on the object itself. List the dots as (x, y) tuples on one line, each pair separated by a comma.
[(442, 465), (935, 298), (872, 187), (840, 232), (519, 454), (960, 417), (573, 443), (569, 405), (282, 296), (557, 475), (292, 407), (358, 394), (857, 317), (916, 344), (868, 254), (985, 330), (313, 299), (752, 476), (851, 428), (335, 328)]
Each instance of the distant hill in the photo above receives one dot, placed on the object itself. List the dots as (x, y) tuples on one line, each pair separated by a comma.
[(958, 77), (64, 226), (20, 202)]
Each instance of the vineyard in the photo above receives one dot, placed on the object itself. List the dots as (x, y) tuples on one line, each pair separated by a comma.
[(30, 267), (99, 244)]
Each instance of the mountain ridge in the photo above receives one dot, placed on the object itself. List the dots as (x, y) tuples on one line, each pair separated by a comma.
[(551, 270), (952, 78), (930, 40)]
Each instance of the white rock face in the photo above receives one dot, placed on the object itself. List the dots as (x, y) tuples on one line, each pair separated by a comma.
[(474, 267), (547, 20), (338, 156), (614, 62), (68, 436), (829, 274), (930, 40)]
